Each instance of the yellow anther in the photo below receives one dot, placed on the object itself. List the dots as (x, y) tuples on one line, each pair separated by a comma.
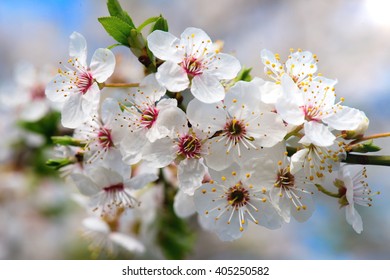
[(263, 199), (241, 229), (298, 208), (192, 35), (280, 162), (206, 212), (342, 99), (263, 190), (213, 189), (234, 100), (267, 62), (247, 175), (211, 182), (204, 191), (243, 222), (311, 178), (234, 173), (223, 178), (304, 207)]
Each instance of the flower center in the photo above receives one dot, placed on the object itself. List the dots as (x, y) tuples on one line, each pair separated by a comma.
[(84, 81), (192, 66), (285, 179), (149, 116), (104, 138), (235, 130), (189, 146), (238, 196), (114, 188)]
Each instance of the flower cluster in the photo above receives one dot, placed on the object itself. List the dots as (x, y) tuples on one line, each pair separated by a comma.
[(240, 149)]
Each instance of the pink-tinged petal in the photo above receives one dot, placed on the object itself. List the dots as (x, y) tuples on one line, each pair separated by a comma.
[(102, 64), (224, 66), (317, 134), (165, 46), (345, 118), (190, 174), (207, 88), (290, 105), (209, 118), (78, 48), (173, 77), (183, 205), (85, 185), (72, 114), (57, 89)]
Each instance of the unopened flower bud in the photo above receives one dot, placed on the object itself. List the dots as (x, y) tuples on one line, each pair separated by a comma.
[(360, 130)]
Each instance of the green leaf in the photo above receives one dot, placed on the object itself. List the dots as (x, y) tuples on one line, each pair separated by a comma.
[(161, 24), (60, 162), (115, 9), (117, 29), (366, 147), (147, 22), (244, 75)]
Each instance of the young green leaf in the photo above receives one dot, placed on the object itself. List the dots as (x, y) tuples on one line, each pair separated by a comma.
[(115, 9), (117, 29), (161, 24)]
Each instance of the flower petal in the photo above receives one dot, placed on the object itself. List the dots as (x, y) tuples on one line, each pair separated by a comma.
[(78, 48), (190, 174), (173, 77), (207, 117), (163, 45), (102, 64), (345, 118), (183, 205), (207, 88), (224, 66), (72, 114), (85, 185), (317, 134)]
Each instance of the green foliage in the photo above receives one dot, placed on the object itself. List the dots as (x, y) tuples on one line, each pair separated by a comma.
[(115, 10), (117, 29), (244, 75), (67, 141), (47, 126), (175, 236), (161, 24)]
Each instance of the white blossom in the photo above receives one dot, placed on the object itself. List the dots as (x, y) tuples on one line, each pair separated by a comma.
[(192, 61)]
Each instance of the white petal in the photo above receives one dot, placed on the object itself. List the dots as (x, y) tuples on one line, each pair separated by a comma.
[(317, 134), (354, 218), (127, 242), (163, 45), (268, 129), (173, 77), (267, 216), (297, 160), (170, 122), (140, 181), (207, 117), (104, 177), (195, 40), (205, 199), (229, 176), (289, 104), (303, 214), (54, 89), (243, 99), (207, 88), (131, 147), (160, 153), (73, 114), (218, 159), (34, 111), (102, 64), (78, 48), (183, 205), (84, 184), (190, 174), (345, 118), (96, 224), (149, 90), (224, 66)]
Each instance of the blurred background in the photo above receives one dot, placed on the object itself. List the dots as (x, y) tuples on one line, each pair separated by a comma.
[(38, 219)]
